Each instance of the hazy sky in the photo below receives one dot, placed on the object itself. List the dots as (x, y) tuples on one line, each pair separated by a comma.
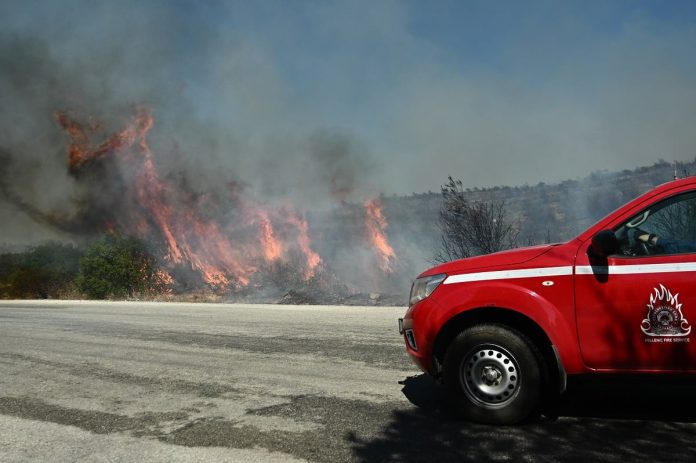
[(387, 96)]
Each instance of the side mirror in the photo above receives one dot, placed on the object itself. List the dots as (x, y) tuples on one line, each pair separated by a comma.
[(604, 243)]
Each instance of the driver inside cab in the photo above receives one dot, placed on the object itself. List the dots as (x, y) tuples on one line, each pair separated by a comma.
[(663, 245)]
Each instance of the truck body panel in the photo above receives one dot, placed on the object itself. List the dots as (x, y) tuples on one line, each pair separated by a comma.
[(620, 313)]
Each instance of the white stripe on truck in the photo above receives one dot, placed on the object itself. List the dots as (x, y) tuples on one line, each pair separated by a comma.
[(568, 270), (510, 274)]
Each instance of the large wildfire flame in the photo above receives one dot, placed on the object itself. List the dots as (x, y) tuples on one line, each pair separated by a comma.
[(189, 237), (376, 224)]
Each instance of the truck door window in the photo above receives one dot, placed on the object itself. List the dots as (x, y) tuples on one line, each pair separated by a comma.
[(668, 227)]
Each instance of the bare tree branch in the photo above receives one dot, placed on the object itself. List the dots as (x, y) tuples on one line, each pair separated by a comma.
[(472, 228)]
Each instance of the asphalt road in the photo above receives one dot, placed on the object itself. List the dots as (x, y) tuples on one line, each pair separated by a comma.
[(85, 381)]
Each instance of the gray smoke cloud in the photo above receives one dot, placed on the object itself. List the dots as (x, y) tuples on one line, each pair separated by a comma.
[(318, 104), (220, 141), (220, 108)]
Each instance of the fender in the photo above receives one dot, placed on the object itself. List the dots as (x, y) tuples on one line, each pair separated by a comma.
[(555, 319)]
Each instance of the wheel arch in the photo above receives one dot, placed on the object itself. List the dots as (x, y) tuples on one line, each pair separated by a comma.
[(507, 317)]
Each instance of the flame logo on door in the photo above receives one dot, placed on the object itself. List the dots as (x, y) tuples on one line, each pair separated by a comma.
[(665, 317)]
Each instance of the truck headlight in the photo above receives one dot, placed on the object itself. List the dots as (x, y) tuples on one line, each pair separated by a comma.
[(424, 287)]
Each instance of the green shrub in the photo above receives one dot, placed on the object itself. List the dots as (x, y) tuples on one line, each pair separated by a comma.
[(116, 267), (44, 271)]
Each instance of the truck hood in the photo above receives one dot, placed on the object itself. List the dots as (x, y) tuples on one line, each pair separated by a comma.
[(490, 261)]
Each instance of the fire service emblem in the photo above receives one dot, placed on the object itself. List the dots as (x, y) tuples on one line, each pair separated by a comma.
[(665, 317)]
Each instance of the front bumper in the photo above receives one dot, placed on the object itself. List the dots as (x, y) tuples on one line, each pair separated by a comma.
[(416, 345)]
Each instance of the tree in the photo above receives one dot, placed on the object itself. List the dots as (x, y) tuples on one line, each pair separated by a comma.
[(117, 266), (45, 271), (472, 228)]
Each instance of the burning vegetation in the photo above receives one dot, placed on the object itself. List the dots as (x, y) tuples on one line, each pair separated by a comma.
[(226, 241), (377, 225)]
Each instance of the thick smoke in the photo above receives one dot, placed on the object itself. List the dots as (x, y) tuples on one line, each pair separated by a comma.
[(320, 107), (105, 66), (75, 164), (340, 163)]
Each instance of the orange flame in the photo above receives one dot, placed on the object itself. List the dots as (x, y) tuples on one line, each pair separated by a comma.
[(313, 259), (376, 224), (272, 247), (186, 235), (165, 280)]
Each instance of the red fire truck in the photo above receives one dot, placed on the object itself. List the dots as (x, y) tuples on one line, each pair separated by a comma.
[(503, 331)]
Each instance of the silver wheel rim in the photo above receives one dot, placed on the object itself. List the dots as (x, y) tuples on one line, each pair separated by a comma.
[(490, 376)]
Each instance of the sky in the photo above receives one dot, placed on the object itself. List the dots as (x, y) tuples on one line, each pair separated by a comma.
[(354, 98)]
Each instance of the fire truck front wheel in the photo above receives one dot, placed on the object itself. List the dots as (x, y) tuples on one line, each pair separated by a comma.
[(494, 374)]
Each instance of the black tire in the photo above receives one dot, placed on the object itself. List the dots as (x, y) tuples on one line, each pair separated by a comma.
[(494, 374)]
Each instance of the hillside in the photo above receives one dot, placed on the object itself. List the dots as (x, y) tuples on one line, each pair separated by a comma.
[(350, 270), (545, 212)]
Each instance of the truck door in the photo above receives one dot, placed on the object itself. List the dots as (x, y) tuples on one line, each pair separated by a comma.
[(635, 309)]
